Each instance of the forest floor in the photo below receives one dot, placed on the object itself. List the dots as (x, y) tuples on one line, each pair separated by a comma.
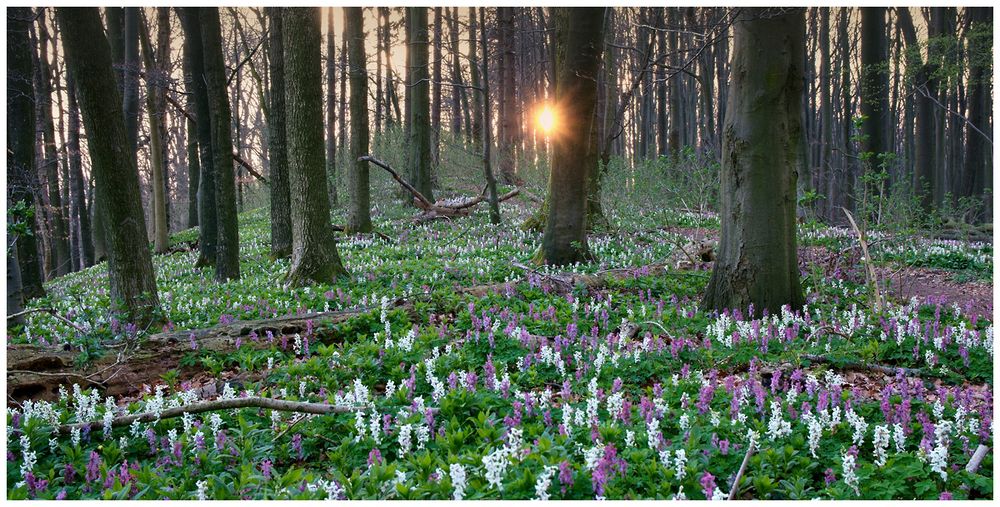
[(448, 366)]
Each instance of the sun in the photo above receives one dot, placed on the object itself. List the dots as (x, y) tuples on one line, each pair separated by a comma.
[(547, 119)]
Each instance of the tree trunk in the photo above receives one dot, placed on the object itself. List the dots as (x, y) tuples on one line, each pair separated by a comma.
[(208, 228), (359, 215), (130, 267), (61, 257), (436, 98), (281, 218), (487, 131), (314, 249), (20, 144), (161, 236), (331, 115), (757, 263), (227, 256), (826, 110), (510, 130), (847, 121), (474, 65), (79, 203), (419, 98), (976, 161), (874, 86), (565, 238)]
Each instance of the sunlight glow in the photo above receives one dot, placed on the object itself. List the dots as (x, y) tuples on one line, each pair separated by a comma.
[(547, 119)]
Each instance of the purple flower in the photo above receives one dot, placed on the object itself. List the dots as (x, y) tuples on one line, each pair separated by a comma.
[(61, 495), (829, 477), (707, 484), (565, 475), (93, 467), (945, 495), (297, 444), (265, 468), (374, 457)]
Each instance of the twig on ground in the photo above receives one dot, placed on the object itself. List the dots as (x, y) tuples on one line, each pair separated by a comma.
[(977, 458), (739, 475), (50, 311)]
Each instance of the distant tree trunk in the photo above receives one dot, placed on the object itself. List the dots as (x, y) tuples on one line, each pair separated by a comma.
[(460, 115), (194, 168), (79, 204), (281, 218), (419, 98), (826, 108), (130, 267), (359, 214), (757, 263), (342, 118), (208, 232), (436, 98), (923, 164), (976, 161), (487, 131), (130, 78), (227, 256), (874, 87), (847, 183), (662, 135), (565, 238), (510, 130), (477, 106), (331, 115), (61, 256), (941, 27), (161, 237), (163, 67), (314, 249), (20, 144), (380, 99), (674, 88)]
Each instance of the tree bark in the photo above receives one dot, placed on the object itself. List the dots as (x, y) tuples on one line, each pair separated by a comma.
[(161, 236), (436, 98), (314, 249), (227, 255), (874, 87), (565, 238), (20, 144), (331, 115), (79, 202), (281, 218), (359, 215), (130, 267), (510, 127), (976, 161), (757, 263), (418, 96), (487, 131), (477, 105)]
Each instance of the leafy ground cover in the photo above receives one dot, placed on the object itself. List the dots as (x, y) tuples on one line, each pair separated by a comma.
[(534, 390)]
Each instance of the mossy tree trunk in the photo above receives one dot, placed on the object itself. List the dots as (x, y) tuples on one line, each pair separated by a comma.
[(565, 238), (208, 232), (314, 248), (227, 255), (757, 263), (130, 266), (281, 217), (20, 142), (359, 216)]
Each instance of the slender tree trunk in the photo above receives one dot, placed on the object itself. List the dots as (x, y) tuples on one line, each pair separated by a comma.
[(61, 257), (79, 204), (163, 67), (331, 116), (565, 238), (436, 99), (281, 218), (825, 106), (130, 266), (208, 229), (976, 161), (227, 256), (757, 264), (474, 65), (874, 89), (359, 214), (510, 131), (20, 144), (314, 249), (487, 131), (847, 183), (161, 237)]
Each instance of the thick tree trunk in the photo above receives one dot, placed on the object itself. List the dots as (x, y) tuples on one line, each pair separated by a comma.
[(359, 215), (314, 249), (418, 75), (976, 160), (20, 144), (331, 115), (846, 185), (757, 263), (510, 128), (130, 267), (436, 98), (281, 218), (161, 236), (208, 228), (565, 238), (227, 256), (874, 86)]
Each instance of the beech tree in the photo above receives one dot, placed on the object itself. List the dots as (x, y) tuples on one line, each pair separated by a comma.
[(116, 178), (757, 262), (314, 248), (420, 158), (359, 214), (581, 47)]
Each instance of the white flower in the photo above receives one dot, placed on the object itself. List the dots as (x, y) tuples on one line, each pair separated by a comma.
[(850, 478), (939, 461), (457, 473), (202, 488), (543, 483), (859, 425), (880, 440), (815, 432), (899, 437), (680, 463), (404, 439), (629, 438), (495, 463), (777, 427)]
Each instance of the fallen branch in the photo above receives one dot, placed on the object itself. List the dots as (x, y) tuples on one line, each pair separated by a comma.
[(869, 269), (50, 311), (341, 228), (739, 475), (977, 458), (212, 406), (857, 365)]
